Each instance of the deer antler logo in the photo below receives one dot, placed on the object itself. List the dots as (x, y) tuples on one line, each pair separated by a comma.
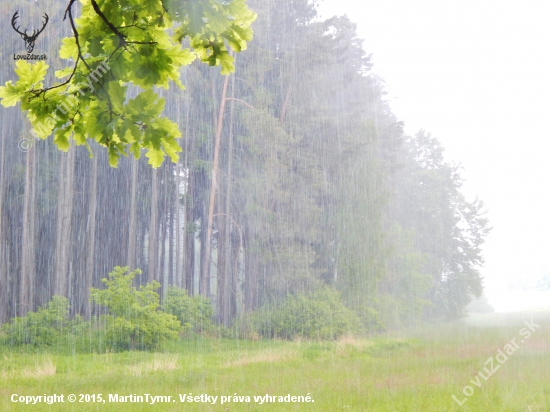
[(29, 39)]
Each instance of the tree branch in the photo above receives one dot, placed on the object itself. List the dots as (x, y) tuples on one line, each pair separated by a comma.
[(239, 100)]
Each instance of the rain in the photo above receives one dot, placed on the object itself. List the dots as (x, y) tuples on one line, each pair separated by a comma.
[(244, 205)]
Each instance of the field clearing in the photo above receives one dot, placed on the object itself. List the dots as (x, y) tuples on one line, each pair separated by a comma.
[(414, 370)]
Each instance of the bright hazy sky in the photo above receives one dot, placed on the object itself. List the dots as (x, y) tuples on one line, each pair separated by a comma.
[(476, 74)]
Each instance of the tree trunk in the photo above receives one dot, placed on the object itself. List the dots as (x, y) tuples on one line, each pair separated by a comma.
[(285, 105), (226, 272), (3, 251), (233, 268), (26, 291), (250, 278), (235, 290), (132, 232), (90, 240), (205, 277), (178, 279), (163, 278), (172, 210), (64, 221), (184, 274), (221, 273), (153, 230), (189, 232)]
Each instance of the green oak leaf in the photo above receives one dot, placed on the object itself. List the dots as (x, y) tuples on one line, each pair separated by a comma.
[(11, 94), (31, 75)]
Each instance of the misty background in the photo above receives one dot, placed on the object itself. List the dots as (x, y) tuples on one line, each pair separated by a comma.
[(475, 74)]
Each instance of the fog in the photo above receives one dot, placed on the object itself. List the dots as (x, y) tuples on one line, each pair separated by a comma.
[(475, 74)]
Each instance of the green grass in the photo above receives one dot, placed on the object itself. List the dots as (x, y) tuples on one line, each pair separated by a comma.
[(414, 370)]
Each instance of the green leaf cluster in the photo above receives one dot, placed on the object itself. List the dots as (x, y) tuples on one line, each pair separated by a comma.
[(194, 312), (123, 44), (49, 326), (133, 321), (211, 26)]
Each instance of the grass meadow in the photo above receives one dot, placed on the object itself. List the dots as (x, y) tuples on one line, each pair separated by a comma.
[(418, 369)]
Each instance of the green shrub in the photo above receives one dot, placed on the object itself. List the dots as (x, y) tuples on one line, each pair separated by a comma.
[(319, 315), (133, 321), (370, 319), (48, 326), (194, 312)]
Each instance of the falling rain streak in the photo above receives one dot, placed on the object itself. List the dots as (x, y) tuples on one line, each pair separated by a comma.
[(298, 210)]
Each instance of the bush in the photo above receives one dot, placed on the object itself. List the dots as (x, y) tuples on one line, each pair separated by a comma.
[(319, 315), (133, 321), (194, 312), (48, 326)]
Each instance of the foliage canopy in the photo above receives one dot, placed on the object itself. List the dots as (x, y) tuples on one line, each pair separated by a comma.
[(117, 44)]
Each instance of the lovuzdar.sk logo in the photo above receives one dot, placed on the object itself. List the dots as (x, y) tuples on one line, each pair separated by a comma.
[(29, 39)]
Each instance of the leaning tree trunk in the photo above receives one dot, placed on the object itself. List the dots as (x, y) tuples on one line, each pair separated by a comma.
[(285, 104), (226, 279), (205, 277), (221, 304)]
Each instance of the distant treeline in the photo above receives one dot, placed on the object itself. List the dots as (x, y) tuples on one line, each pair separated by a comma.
[(317, 185)]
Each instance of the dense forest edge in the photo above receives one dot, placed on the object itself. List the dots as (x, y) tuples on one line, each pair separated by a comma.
[(325, 218)]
